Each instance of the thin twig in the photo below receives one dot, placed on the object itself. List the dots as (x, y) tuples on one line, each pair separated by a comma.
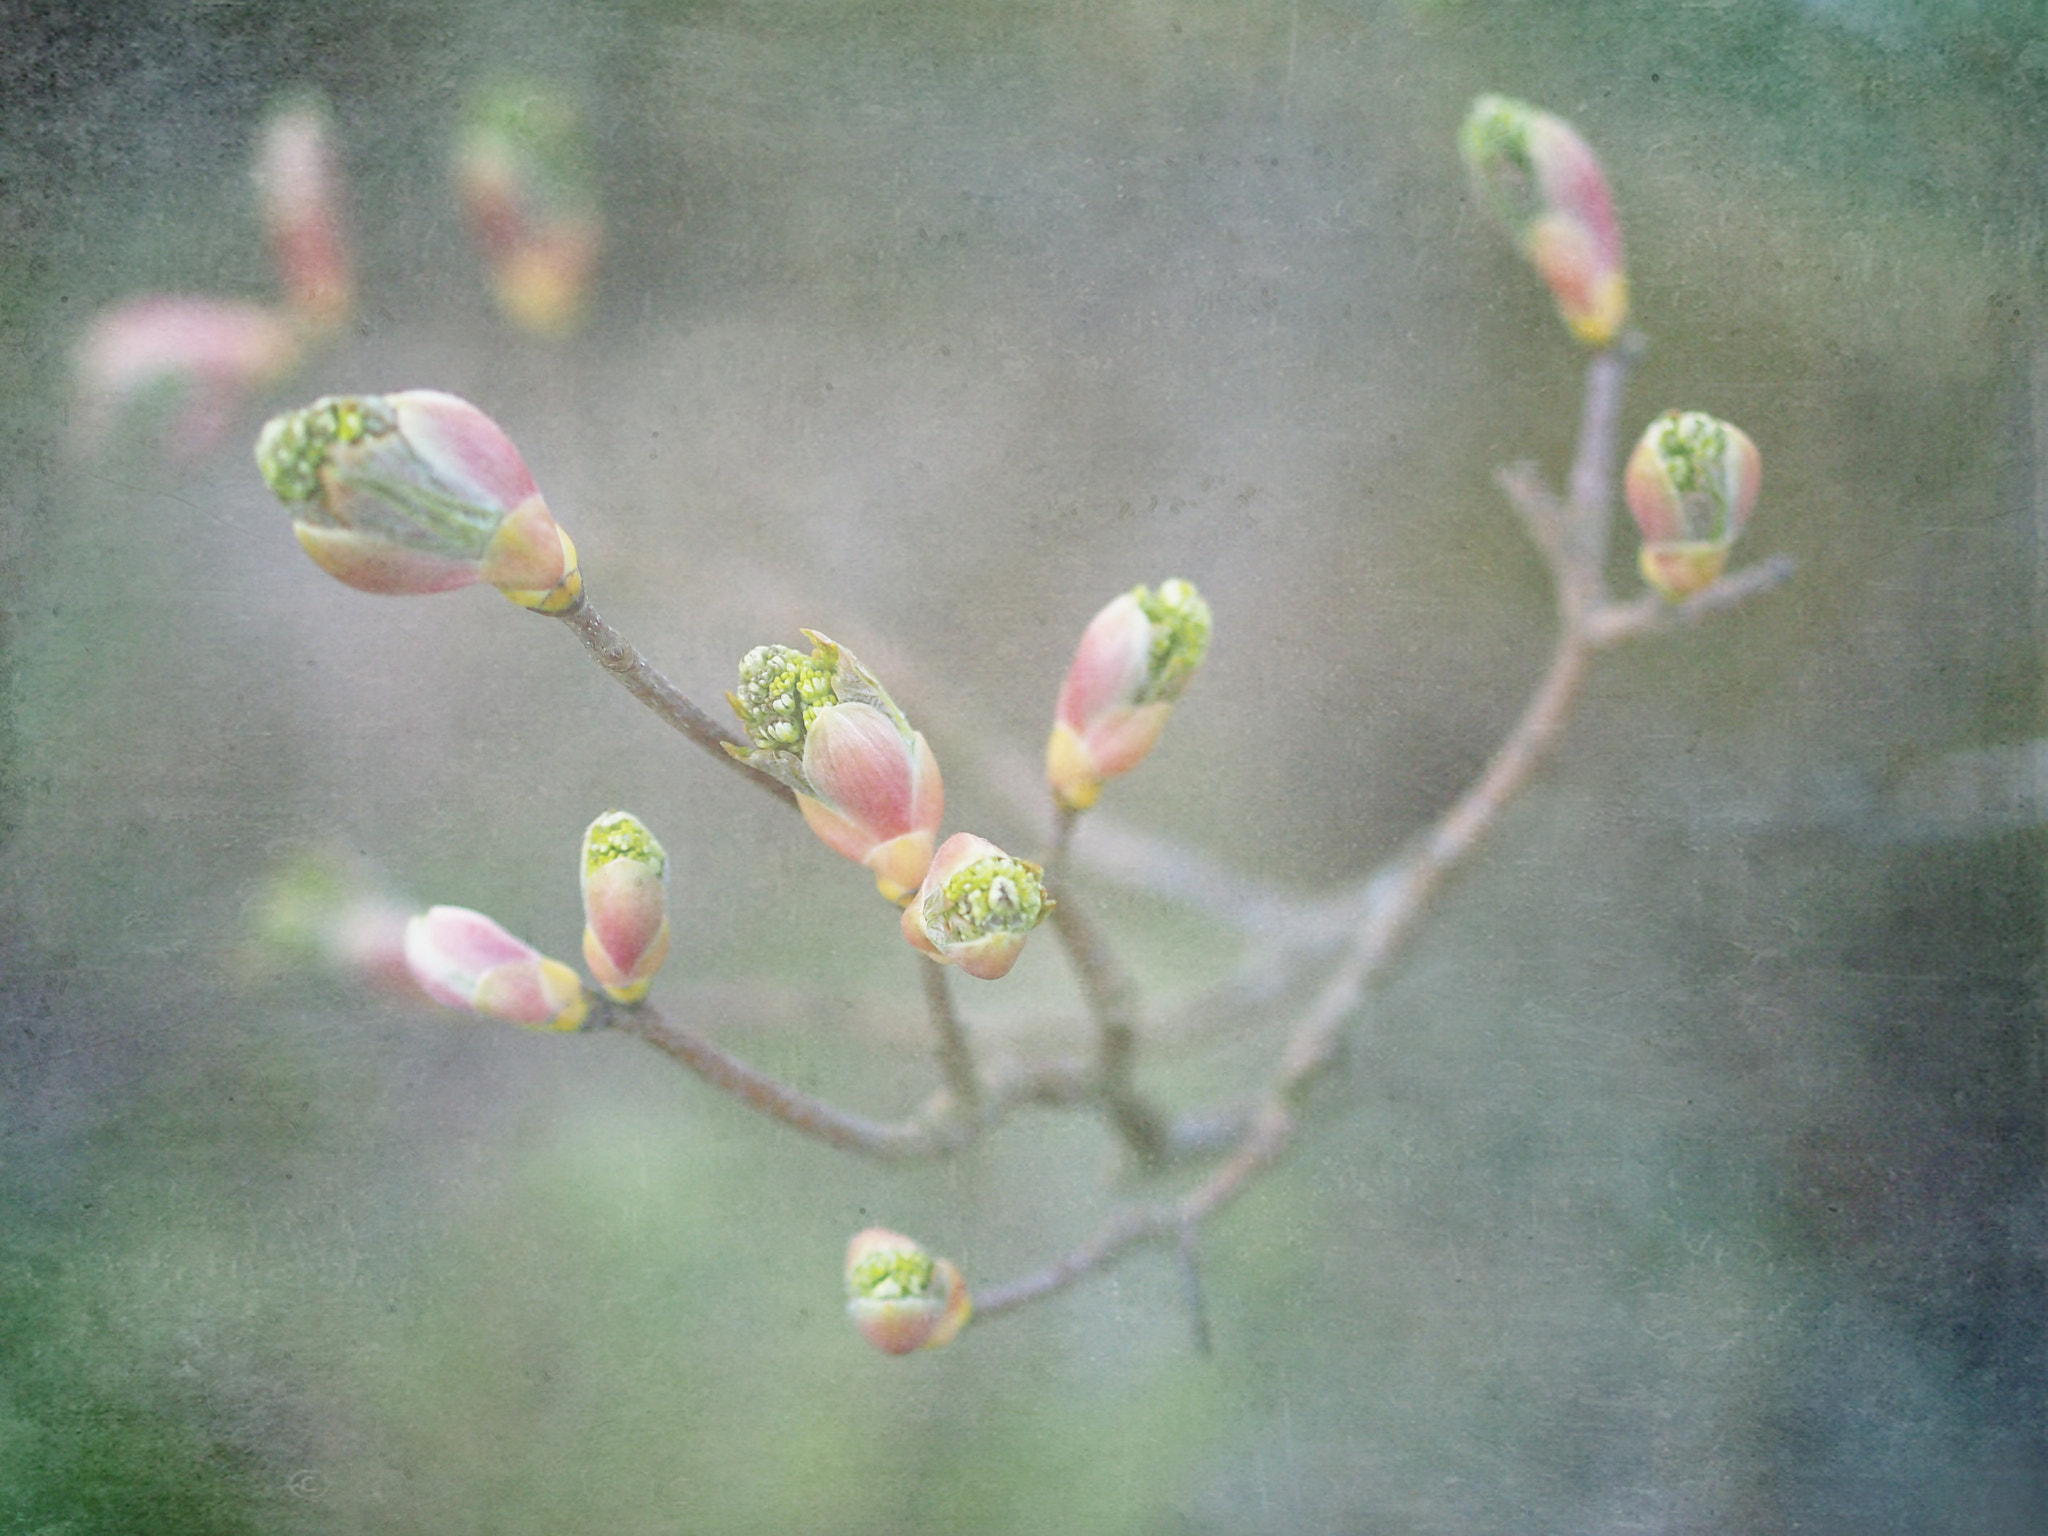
[(620, 657), (1113, 1004), (956, 1053)]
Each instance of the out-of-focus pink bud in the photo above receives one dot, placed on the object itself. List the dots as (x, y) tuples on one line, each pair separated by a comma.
[(900, 1297), (195, 359), (1544, 183), (463, 959), (976, 907), (521, 170), (625, 905), (300, 186), (324, 908), (417, 492), (866, 783), (1136, 658), (1691, 484)]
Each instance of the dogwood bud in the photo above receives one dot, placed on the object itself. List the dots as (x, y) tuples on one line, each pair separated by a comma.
[(195, 359), (521, 171), (417, 492), (1544, 183), (866, 783), (900, 1297), (463, 959), (976, 907), (300, 187), (1690, 484), (625, 905), (1135, 659)]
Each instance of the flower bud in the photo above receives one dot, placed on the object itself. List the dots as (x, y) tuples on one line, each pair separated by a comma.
[(300, 187), (463, 959), (1691, 484), (900, 1297), (198, 358), (1546, 187), (417, 492), (521, 172), (1136, 658), (866, 783), (625, 905), (976, 907)]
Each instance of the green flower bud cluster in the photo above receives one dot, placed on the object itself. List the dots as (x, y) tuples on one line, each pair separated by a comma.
[(1693, 448), (780, 693), (295, 446), (890, 1274), (1180, 636), (618, 835), (997, 894)]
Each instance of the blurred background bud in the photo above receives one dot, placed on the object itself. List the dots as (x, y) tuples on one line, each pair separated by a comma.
[(1545, 186), (976, 907), (866, 783), (1135, 659), (417, 492), (625, 905), (324, 908), (899, 1297), (463, 959), (298, 180), (1691, 484), (173, 371), (522, 171)]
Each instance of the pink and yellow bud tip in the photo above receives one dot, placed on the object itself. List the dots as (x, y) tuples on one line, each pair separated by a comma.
[(1691, 484), (867, 784), (1545, 186), (976, 907), (417, 492), (465, 960), (900, 1297), (1135, 660), (625, 905)]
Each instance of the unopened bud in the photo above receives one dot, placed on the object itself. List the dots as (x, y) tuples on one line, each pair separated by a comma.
[(976, 907), (1135, 660), (521, 169), (1691, 484), (1544, 183), (900, 1297), (625, 905), (193, 360), (417, 492), (300, 186), (866, 783), (463, 959)]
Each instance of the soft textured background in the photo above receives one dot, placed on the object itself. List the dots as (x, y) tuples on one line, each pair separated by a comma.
[(1687, 1176)]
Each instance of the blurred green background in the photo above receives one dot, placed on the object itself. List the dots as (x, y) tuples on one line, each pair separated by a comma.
[(1686, 1177)]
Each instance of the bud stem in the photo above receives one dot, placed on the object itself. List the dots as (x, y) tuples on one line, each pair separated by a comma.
[(956, 1052), (639, 677)]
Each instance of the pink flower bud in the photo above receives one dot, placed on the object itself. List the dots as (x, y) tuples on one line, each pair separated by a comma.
[(976, 907), (1691, 484), (1136, 658), (866, 783), (900, 1297), (417, 492), (463, 959), (300, 187), (625, 905), (202, 357), (521, 172), (1544, 183)]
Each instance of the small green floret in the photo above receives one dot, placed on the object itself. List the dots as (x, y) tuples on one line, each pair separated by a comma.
[(621, 835), (891, 1275), (1180, 638), (780, 693)]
